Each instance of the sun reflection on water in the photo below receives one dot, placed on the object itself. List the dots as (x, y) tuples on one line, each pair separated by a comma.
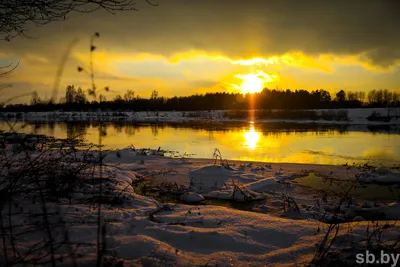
[(251, 138), (256, 142)]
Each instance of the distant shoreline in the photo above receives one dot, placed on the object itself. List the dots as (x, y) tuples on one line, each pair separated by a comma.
[(316, 116)]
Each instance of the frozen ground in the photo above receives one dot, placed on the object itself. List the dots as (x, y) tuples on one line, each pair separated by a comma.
[(279, 223), (355, 116)]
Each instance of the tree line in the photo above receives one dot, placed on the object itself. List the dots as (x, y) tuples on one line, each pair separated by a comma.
[(78, 99)]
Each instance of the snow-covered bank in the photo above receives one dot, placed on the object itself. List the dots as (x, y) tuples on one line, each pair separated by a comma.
[(141, 231), (354, 116)]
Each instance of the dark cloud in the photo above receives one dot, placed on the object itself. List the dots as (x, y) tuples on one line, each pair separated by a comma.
[(235, 28)]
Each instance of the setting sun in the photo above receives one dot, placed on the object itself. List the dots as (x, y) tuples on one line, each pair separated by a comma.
[(254, 82)]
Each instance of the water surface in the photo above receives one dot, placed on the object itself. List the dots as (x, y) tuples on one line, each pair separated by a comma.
[(246, 141)]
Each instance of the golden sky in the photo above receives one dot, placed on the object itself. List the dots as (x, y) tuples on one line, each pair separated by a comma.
[(184, 47)]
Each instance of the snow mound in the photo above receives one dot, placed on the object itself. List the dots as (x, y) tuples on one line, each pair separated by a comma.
[(191, 197), (389, 212), (239, 194), (126, 155), (264, 185), (380, 176), (209, 177), (282, 177)]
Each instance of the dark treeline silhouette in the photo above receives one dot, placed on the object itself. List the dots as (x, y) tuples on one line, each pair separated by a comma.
[(77, 100)]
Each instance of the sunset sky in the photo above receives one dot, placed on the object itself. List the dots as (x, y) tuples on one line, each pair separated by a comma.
[(184, 47)]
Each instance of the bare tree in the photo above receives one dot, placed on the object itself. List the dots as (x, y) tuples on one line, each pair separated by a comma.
[(17, 15), (129, 95), (35, 99), (102, 98), (154, 95)]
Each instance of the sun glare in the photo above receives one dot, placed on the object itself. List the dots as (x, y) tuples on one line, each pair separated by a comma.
[(251, 138), (254, 82)]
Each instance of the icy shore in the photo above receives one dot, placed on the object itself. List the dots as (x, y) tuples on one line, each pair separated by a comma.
[(354, 116), (142, 231)]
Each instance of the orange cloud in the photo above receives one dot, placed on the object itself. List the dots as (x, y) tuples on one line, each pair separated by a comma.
[(187, 72)]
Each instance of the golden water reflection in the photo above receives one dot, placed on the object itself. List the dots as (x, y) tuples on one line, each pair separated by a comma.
[(253, 142), (251, 138)]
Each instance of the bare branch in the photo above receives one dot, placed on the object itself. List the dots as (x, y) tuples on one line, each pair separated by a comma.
[(148, 1), (17, 15), (9, 69)]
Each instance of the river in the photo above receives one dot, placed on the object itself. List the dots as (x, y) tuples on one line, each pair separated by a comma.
[(268, 142)]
